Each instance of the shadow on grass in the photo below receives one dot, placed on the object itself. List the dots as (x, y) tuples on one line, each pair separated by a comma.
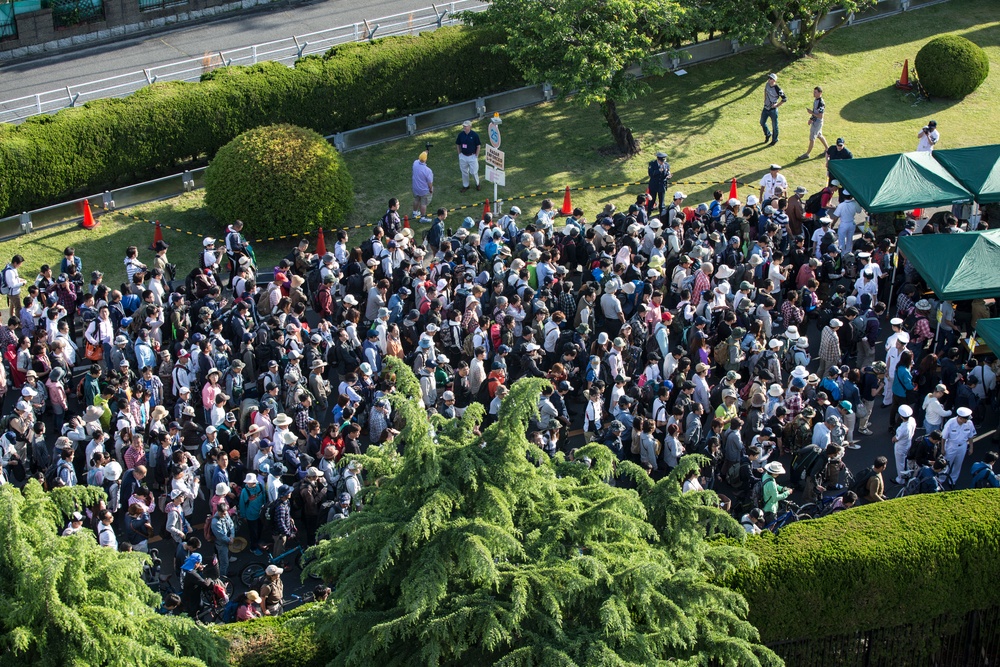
[(891, 105)]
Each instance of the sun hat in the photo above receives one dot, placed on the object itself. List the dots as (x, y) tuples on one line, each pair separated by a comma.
[(774, 468)]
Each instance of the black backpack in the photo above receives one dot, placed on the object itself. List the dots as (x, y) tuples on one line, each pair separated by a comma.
[(813, 203), (368, 248), (860, 485), (270, 515), (52, 474)]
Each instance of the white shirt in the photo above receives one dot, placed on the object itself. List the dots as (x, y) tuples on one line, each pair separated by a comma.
[(905, 431), (987, 380), (768, 183), (958, 435), (106, 535), (925, 142), (934, 412), (846, 211)]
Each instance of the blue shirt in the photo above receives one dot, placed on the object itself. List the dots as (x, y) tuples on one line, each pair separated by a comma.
[(468, 143)]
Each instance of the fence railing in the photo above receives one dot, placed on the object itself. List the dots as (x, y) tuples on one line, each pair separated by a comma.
[(390, 130), (286, 50), (943, 642)]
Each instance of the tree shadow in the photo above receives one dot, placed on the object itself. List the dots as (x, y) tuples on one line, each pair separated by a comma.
[(891, 105)]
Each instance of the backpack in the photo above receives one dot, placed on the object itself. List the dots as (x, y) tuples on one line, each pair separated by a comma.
[(860, 485), (813, 203), (295, 504), (688, 283), (313, 282), (264, 300), (720, 353), (229, 611), (207, 529), (269, 512), (733, 476), (979, 479), (757, 494), (368, 248), (52, 474), (468, 346), (4, 287)]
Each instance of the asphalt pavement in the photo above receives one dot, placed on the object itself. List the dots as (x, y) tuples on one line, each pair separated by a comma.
[(281, 20)]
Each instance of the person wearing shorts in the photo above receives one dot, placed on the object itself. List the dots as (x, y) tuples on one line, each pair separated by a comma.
[(423, 186), (816, 123)]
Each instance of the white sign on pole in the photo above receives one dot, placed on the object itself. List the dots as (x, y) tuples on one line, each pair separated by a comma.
[(495, 176), (494, 157)]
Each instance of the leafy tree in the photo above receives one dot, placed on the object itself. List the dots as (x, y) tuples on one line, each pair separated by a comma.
[(585, 48), (477, 549), (791, 26), (67, 601)]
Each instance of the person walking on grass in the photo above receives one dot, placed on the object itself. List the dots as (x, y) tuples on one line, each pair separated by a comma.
[(774, 97), (815, 122), (468, 146)]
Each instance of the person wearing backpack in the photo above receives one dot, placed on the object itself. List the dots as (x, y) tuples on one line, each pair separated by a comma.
[(11, 284), (869, 484), (282, 524), (983, 476)]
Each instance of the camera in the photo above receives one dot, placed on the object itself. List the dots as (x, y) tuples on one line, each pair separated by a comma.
[(429, 145)]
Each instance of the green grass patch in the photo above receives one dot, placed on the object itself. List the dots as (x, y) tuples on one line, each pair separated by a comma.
[(707, 122)]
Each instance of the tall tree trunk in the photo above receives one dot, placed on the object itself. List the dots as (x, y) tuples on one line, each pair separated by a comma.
[(624, 140)]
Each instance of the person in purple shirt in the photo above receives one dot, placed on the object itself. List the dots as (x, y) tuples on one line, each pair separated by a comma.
[(423, 185)]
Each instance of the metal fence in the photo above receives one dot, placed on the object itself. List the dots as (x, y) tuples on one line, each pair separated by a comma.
[(68, 13), (972, 640), (286, 50)]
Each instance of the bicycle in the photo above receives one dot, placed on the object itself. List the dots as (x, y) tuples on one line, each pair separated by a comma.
[(789, 515), (254, 571), (823, 506)]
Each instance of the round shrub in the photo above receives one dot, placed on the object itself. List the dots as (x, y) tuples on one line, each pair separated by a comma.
[(279, 179), (951, 66)]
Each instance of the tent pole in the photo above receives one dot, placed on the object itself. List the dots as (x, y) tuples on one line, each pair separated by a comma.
[(972, 344), (937, 332), (892, 283)]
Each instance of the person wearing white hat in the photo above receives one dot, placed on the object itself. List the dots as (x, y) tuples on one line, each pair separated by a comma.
[(845, 215), (772, 180), (773, 492), (903, 438), (891, 359), (958, 433)]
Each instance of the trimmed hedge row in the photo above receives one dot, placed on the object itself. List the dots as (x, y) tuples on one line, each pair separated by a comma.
[(114, 142), (288, 640), (877, 566)]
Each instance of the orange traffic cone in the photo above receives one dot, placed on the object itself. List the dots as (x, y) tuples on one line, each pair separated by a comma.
[(406, 222), (904, 80), (567, 207), (320, 243), (486, 208), (157, 235), (88, 216), (734, 192)]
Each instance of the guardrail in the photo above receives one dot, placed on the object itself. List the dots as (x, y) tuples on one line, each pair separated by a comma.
[(399, 128), (286, 50)]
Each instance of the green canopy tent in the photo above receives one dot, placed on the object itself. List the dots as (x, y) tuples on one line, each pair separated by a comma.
[(956, 266), (899, 182), (989, 331), (977, 168)]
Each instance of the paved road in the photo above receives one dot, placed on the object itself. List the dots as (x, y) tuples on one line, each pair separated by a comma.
[(97, 62)]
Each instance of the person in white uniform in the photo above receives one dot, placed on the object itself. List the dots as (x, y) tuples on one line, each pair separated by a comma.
[(891, 359), (903, 439), (958, 434)]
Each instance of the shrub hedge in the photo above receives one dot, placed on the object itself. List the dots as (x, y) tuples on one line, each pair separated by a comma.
[(877, 566), (951, 66), (281, 179), (288, 640), (114, 142)]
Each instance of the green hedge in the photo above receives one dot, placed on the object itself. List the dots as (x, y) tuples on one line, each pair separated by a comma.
[(274, 641), (115, 142), (878, 566), (951, 66)]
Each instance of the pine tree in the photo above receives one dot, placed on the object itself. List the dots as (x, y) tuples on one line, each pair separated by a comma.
[(68, 601), (480, 550)]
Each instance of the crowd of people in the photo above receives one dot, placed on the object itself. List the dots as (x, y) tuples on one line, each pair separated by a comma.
[(761, 334)]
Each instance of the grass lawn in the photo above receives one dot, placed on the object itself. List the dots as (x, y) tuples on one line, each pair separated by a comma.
[(706, 121)]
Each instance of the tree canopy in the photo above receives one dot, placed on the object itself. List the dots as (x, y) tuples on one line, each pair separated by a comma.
[(479, 549), (68, 601), (585, 47)]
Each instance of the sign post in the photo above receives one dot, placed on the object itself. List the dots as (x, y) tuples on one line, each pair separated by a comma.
[(495, 160)]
